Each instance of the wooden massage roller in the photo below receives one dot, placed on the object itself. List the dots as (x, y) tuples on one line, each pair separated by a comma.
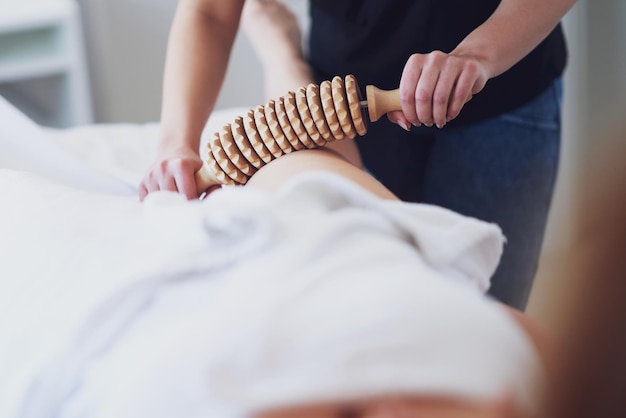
[(309, 118)]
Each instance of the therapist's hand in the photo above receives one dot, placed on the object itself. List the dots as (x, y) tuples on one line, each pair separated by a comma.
[(172, 170), (435, 86)]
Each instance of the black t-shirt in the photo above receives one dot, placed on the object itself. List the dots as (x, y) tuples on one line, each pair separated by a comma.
[(372, 39)]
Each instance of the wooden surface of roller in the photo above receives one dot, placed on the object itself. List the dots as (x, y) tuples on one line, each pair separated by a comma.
[(310, 117)]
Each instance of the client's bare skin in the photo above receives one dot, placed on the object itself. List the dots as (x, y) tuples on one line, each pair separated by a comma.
[(274, 33)]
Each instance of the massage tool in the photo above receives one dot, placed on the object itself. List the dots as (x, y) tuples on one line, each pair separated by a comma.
[(308, 118)]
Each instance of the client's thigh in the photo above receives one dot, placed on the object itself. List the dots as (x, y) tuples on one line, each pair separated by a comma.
[(277, 172)]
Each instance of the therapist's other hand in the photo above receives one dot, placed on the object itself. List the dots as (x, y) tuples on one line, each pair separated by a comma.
[(435, 86), (172, 170)]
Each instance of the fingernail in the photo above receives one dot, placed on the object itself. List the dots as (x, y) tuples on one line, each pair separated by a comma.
[(441, 125), (429, 125), (417, 124), (404, 125)]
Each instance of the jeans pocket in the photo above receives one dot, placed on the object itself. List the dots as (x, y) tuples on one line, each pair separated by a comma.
[(543, 112)]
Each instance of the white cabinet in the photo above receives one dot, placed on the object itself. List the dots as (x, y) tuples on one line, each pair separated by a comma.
[(43, 68)]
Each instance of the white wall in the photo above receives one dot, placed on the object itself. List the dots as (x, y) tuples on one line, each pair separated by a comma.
[(595, 101), (126, 43), (595, 97), (606, 57), (126, 50)]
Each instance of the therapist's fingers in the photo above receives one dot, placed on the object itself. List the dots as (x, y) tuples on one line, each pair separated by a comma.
[(408, 83), (162, 177), (168, 183), (155, 181), (399, 119), (143, 191), (425, 89), (184, 177), (148, 185), (434, 87), (419, 80), (442, 94), (173, 174), (183, 172)]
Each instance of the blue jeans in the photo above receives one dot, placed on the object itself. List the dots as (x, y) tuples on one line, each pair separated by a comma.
[(501, 170)]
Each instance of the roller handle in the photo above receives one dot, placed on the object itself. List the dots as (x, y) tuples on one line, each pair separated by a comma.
[(380, 102)]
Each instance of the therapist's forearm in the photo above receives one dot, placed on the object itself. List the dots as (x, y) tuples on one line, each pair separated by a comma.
[(198, 51), (514, 30)]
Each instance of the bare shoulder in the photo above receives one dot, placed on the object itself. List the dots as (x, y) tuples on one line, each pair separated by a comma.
[(539, 336)]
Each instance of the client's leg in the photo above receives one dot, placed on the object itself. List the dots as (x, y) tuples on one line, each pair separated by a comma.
[(274, 33), (274, 174)]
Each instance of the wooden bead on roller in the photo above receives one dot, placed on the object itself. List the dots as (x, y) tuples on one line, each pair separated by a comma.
[(308, 118)]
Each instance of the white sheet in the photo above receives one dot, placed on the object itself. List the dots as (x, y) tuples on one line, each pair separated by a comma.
[(71, 225), (107, 158), (101, 295), (25, 147)]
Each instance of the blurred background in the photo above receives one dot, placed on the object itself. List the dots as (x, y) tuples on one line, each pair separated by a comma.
[(74, 62)]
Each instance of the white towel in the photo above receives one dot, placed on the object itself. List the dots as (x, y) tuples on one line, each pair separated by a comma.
[(335, 295), (245, 301)]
